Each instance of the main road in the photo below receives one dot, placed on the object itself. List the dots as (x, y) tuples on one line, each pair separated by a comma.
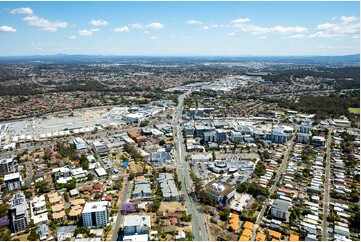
[(326, 201), (199, 227)]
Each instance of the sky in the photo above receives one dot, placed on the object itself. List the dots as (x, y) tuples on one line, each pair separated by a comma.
[(180, 28)]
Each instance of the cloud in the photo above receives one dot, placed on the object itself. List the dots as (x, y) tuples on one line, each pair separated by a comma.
[(85, 32), (121, 29), (146, 32), (98, 22), (231, 34), (153, 37), (348, 19), (72, 37), (242, 24), (22, 11), (95, 30), (240, 21), (154, 25), (205, 27), (5, 28), (262, 37), (355, 37), (193, 22), (43, 24), (185, 37), (328, 30), (296, 36)]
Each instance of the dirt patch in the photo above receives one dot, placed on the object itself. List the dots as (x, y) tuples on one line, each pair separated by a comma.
[(171, 206)]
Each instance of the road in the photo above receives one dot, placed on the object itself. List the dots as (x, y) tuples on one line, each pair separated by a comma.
[(119, 217), (274, 186), (326, 197), (199, 227)]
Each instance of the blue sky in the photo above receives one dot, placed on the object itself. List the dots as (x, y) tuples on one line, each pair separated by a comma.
[(180, 28)]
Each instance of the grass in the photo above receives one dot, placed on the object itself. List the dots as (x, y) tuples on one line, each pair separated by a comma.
[(354, 110)]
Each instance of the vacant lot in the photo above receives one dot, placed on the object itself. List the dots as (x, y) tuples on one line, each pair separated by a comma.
[(171, 206)]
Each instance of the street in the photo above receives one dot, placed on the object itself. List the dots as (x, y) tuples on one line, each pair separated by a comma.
[(119, 217), (274, 186), (326, 201)]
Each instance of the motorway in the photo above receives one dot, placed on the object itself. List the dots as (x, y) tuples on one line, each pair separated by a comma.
[(119, 216), (274, 186), (326, 201), (199, 227)]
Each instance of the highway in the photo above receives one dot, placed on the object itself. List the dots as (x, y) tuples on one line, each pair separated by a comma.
[(274, 186), (326, 197), (118, 220), (199, 227)]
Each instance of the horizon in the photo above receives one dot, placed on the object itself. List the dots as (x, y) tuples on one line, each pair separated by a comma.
[(180, 28)]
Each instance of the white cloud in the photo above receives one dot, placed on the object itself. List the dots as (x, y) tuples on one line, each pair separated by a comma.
[(242, 24), (98, 22), (153, 37), (262, 37), (43, 24), (296, 36), (193, 22), (185, 37), (121, 29), (348, 19), (49, 29), (205, 27), (231, 34), (146, 32), (85, 32), (22, 11), (95, 30), (72, 37), (5, 28), (355, 37), (154, 25), (240, 21), (328, 30)]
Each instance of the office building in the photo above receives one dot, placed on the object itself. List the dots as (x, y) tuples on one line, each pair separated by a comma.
[(95, 214)]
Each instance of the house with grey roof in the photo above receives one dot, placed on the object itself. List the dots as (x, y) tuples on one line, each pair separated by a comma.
[(168, 187), (142, 189)]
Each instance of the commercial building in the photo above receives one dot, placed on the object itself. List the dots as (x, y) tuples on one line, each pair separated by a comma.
[(19, 213), (95, 214), (219, 191), (79, 144)]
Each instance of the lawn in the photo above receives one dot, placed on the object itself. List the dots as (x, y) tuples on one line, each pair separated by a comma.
[(354, 110)]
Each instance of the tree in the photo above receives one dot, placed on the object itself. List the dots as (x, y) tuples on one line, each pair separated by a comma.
[(4, 207), (162, 142), (131, 176), (33, 236), (143, 123)]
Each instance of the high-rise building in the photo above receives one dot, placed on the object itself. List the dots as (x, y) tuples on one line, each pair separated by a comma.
[(95, 214), (6, 165), (13, 181), (19, 213)]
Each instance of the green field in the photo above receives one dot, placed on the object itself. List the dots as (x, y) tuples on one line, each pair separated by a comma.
[(354, 110)]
